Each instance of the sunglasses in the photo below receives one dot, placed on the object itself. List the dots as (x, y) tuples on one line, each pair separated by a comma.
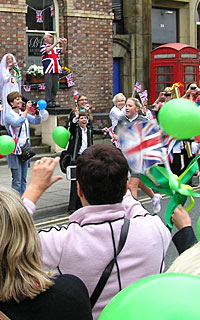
[(167, 94), (193, 88)]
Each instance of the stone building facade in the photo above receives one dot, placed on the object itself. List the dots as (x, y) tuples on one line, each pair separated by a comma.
[(140, 25), (88, 27)]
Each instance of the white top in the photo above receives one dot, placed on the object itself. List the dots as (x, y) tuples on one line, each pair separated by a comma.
[(8, 84), (24, 131), (84, 143), (115, 115)]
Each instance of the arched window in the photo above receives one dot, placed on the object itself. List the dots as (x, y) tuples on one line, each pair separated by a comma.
[(198, 27), (41, 16)]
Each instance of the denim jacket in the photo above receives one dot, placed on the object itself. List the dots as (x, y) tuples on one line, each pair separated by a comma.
[(16, 123)]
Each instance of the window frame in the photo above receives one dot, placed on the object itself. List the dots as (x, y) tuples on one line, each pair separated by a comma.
[(41, 33)]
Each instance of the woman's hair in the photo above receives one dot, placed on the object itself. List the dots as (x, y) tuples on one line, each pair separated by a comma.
[(136, 101), (3, 65), (79, 97), (102, 172), (119, 95), (167, 90), (189, 84), (187, 262), (12, 96), (22, 273), (9, 55)]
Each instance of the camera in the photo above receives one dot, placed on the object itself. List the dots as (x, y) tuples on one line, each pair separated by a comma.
[(25, 100), (34, 105), (71, 173)]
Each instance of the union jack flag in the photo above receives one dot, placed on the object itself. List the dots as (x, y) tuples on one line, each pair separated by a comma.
[(41, 86), (39, 16), (75, 95), (27, 87), (51, 60), (143, 95), (17, 149), (113, 140), (52, 9), (169, 142), (142, 145), (70, 81), (137, 87)]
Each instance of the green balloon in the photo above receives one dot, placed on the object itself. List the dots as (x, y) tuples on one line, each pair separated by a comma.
[(167, 296), (180, 118), (7, 145), (61, 136), (198, 228)]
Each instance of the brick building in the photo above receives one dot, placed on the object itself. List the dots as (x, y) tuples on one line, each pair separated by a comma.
[(88, 27)]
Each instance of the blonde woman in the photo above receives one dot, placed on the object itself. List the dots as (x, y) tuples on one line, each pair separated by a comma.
[(27, 291), (9, 81), (81, 106)]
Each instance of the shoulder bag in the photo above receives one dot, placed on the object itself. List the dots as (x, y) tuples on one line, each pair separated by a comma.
[(27, 151), (106, 273)]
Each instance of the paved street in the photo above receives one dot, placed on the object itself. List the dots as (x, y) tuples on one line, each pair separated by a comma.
[(194, 213), (52, 207)]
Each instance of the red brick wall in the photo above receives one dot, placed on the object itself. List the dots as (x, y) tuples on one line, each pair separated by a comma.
[(90, 58), (93, 5), (12, 36), (89, 50)]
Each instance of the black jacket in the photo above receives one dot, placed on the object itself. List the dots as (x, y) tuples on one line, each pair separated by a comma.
[(67, 155), (66, 299)]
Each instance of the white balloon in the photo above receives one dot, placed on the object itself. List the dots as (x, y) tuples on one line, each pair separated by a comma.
[(44, 114)]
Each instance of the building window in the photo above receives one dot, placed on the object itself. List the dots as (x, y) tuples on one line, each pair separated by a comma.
[(163, 78), (190, 75), (118, 23), (41, 16), (164, 26)]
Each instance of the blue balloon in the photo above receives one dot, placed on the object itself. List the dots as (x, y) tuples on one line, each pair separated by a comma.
[(41, 104), (44, 115)]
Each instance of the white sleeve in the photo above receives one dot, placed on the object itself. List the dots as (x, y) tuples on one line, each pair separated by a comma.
[(30, 206), (52, 241)]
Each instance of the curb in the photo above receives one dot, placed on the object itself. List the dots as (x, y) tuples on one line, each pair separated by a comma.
[(56, 210), (3, 161)]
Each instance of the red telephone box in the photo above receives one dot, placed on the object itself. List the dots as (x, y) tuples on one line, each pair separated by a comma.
[(171, 63)]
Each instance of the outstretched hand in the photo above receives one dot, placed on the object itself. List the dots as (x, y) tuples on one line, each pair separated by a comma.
[(181, 218), (41, 178)]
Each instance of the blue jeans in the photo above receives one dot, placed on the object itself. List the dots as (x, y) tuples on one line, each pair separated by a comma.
[(19, 177)]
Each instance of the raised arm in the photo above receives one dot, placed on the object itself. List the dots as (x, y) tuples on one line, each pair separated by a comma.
[(42, 168), (185, 237)]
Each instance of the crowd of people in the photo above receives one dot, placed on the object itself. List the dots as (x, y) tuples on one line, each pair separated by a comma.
[(110, 227), (111, 240)]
